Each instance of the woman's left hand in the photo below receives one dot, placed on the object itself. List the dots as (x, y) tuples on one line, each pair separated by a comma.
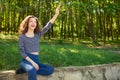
[(58, 9), (56, 14)]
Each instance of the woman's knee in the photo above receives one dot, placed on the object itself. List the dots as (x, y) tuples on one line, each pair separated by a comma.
[(51, 70), (28, 67), (45, 71)]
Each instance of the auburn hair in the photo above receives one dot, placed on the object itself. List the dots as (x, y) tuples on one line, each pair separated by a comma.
[(23, 28)]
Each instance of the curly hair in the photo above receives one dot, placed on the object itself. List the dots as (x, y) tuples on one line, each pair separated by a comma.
[(23, 28)]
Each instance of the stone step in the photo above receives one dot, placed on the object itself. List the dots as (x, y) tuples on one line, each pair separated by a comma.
[(95, 72)]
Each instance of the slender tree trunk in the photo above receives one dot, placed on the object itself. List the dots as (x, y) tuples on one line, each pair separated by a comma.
[(72, 25), (69, 32), (100, 22), (38, 15), (92, 30), (61, 30), (107, 27), (118, 25), (111, 29), (104, 30)]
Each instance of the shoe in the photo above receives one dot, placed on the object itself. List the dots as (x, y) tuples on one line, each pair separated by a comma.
[(19, 71)]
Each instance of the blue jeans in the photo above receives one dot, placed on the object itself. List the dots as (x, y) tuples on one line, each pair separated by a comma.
[(44, 70)]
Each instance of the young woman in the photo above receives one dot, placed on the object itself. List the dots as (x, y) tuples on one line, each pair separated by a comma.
[(30, 34)]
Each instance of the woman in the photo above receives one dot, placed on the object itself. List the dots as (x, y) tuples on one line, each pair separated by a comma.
[(29, 46)]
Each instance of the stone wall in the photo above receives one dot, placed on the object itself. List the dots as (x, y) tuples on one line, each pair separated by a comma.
[(98, 72)]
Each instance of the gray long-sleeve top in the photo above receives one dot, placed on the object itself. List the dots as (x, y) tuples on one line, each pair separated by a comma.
[(31, 44)]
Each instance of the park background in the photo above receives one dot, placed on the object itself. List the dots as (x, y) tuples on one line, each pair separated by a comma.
[(87, 32)]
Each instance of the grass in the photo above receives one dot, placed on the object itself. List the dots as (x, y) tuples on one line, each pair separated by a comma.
[(57, 55)]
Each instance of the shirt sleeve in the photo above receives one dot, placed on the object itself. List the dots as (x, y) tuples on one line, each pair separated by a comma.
[(45, 29), (21, 47)]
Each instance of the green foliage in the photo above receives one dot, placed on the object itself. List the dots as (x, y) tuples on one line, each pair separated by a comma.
[(78, 18), (9, 54)]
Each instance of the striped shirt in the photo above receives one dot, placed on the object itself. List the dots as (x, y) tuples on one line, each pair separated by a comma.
[(31, 44)]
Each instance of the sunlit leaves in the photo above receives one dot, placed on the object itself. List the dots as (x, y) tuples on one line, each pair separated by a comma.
[(73, 13)]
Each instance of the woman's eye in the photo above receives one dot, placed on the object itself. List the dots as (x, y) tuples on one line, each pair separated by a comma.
[(33, 21), (30, 21)]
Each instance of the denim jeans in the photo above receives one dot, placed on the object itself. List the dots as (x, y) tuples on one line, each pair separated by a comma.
[(44, 70)]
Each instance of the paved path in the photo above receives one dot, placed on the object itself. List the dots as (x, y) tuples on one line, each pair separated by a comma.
[(109, 48)]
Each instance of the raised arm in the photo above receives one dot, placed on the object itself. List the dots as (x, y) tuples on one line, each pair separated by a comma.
[(56, 15), (48, 25)]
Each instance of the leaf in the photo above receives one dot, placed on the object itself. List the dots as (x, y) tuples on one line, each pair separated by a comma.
[(56, 1)]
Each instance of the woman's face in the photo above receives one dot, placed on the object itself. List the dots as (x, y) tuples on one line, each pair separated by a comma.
[(32, 23)]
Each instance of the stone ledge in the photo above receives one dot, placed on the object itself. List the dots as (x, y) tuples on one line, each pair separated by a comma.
[(98, 72)]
